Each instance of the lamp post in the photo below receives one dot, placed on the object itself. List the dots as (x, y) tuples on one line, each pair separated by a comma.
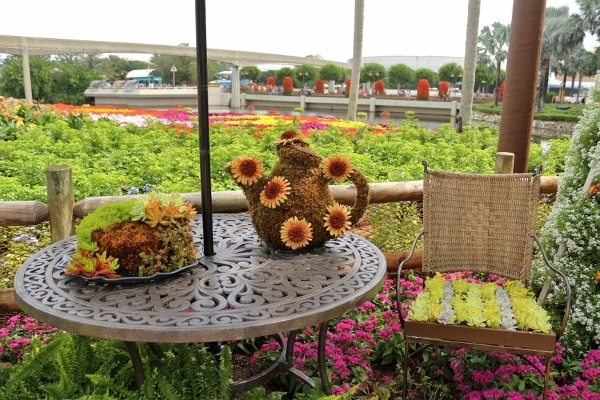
[(371, 74), (303, 74), (173, 70)]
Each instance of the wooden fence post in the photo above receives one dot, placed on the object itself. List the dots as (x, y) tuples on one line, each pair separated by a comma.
[(59, 183), (505, 163)]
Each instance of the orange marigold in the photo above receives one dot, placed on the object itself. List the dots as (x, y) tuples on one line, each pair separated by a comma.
[(337, 167), (247, 170), (296, 233), (275, 192), (597, 276), (337, 220)]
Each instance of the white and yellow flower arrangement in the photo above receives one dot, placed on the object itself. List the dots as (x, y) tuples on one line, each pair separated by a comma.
[(458, 301)]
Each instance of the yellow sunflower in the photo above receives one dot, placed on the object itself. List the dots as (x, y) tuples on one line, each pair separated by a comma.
[(296, 233), (247, 170), (337, 167), (337, 220), (275, 192)]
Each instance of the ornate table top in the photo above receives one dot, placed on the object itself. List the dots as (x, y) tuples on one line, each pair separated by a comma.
[(245, 290)]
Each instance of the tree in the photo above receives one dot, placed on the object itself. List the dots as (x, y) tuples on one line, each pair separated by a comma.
[(186, 66), (305, 73), (251, 72), (359, 19), (554, 27), (588, 19), (483, 77), (333, 74), (577, 63), (116, 68), (469, 74), (282, 73), (371, 72), (451, 72), (426, 73), (401, 74), (493, 50), (53, 80)]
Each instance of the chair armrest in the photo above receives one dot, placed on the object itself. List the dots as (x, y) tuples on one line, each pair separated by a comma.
[(398, 286), (565, 282)]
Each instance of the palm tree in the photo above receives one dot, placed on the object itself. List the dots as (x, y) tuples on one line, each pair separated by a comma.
[(493, 50), (589, 18), (564, 47), (359, 19), (577, 64), (554, 27), (468, 83)]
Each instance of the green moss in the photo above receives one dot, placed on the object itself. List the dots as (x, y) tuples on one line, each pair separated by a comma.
[(102, 217)]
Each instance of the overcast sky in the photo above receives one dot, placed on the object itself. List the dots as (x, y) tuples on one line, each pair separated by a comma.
[(299, 28)]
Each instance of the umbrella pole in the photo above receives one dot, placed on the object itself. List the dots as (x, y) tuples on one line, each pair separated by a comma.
[(205, 183)]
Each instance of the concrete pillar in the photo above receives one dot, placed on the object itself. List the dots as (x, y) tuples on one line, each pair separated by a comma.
[(303, 101), (235, 87), (26, 71), (372, 101), (453, 113)]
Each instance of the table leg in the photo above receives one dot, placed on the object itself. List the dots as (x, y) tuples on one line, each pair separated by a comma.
[(321, 357), (285, 363), (136, 360)]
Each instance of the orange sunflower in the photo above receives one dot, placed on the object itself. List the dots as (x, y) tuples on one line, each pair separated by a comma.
[(337, 167), (337, 220), (247, 170), (296, 233), (275, 192)]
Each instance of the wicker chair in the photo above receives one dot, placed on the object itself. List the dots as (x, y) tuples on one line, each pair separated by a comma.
[(482, 223)]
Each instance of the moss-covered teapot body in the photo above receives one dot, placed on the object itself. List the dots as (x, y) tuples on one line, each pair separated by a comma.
[(292, 207)]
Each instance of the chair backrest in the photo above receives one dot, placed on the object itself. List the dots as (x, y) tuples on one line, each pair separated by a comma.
[(479, 222)]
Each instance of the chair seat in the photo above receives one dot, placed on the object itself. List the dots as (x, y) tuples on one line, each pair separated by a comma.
[(497, 339)]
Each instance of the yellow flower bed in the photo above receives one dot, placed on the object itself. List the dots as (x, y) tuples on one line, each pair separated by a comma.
[(458, 301)]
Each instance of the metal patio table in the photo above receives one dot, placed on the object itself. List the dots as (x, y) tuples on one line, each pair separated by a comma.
[(243, 291)]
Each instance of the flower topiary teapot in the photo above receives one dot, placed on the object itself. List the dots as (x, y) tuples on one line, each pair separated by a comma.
[(292, 208)]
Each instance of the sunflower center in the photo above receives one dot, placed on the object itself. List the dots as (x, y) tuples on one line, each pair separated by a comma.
[(273, 190), (337, 168), (248, 167), (337, 220), (296, 234)]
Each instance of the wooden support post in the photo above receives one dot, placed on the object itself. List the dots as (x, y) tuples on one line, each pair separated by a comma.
[(505, 163), (59, 183)]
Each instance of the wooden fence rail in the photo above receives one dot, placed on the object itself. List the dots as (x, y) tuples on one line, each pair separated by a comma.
[(63, 212)]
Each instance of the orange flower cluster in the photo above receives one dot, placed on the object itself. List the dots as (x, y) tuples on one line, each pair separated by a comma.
[(593, 190), (423, 89), (288, 85), (320, 86)]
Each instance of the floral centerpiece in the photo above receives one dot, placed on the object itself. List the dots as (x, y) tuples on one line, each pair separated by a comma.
[(135, 238), (292, 208), (509, 305)]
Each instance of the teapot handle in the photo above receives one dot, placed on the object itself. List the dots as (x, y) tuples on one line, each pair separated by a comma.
[(361, 201)]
